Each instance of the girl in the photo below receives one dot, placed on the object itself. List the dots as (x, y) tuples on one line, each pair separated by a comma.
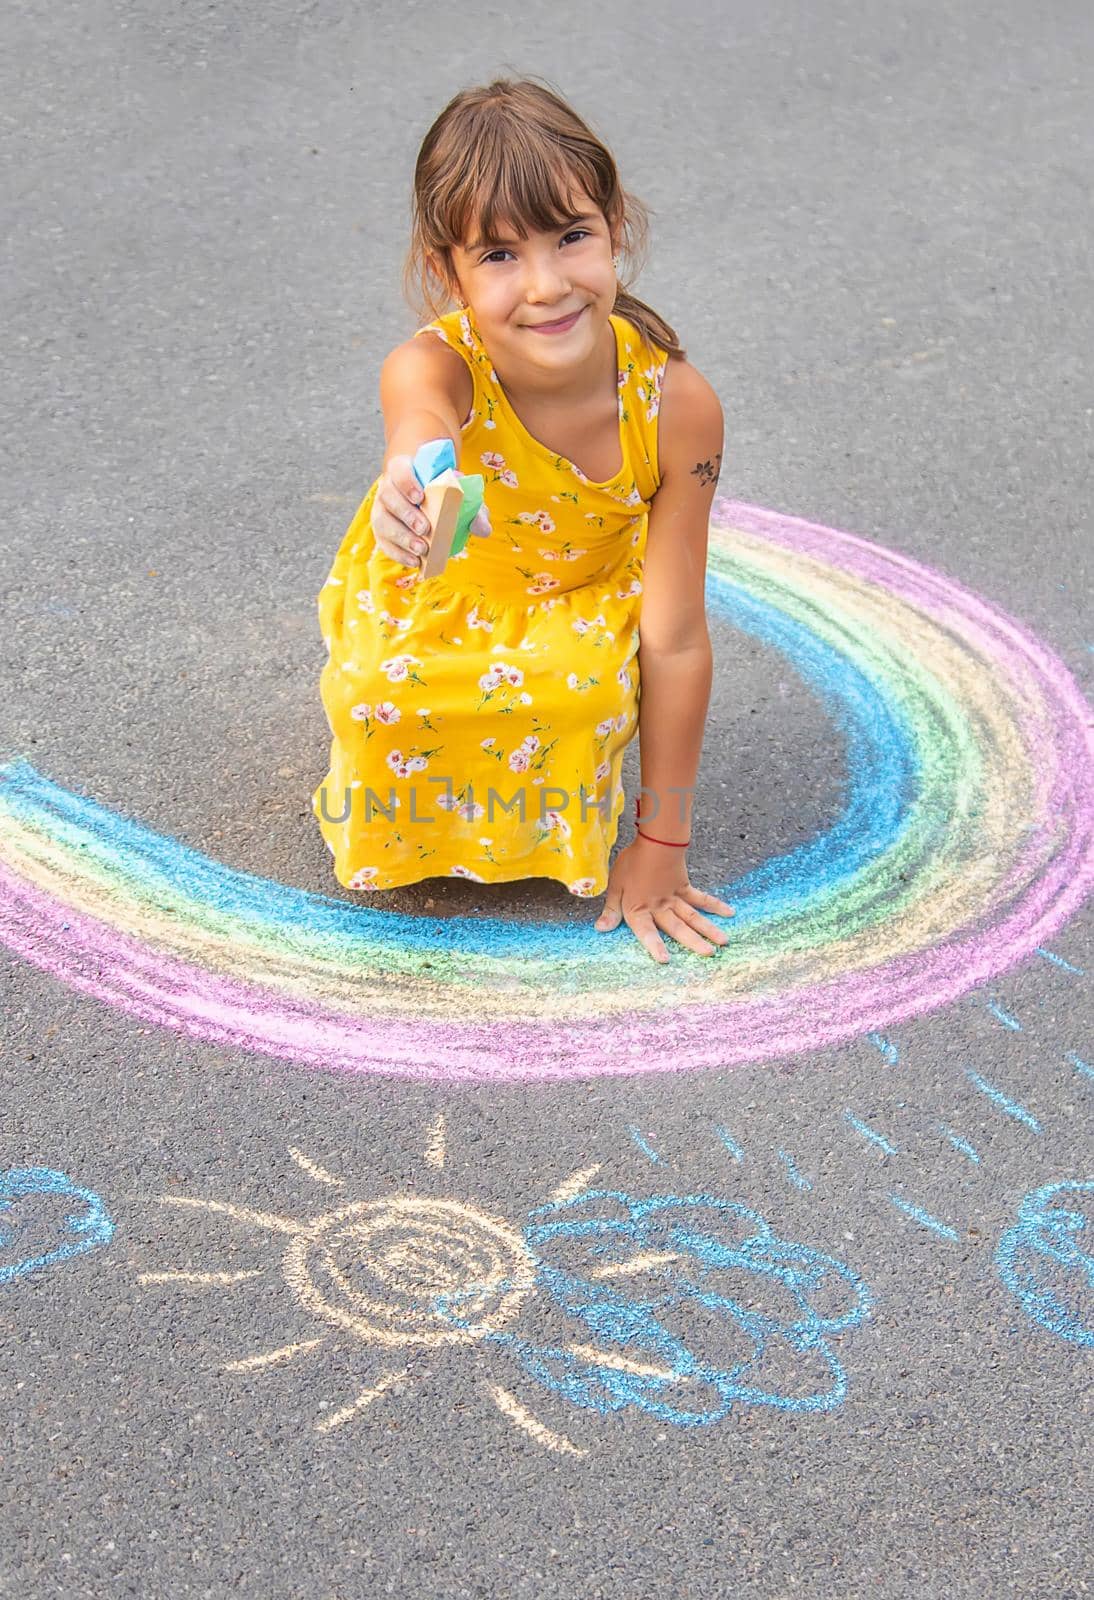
[(479, 717)]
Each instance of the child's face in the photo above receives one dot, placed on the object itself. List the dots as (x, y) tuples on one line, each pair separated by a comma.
[(512, 285)]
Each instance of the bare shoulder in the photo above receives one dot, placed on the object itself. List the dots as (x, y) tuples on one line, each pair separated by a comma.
[(691, 425), (424, 369)]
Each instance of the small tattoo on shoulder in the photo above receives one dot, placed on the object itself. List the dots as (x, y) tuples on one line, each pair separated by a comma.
[(707, 471)]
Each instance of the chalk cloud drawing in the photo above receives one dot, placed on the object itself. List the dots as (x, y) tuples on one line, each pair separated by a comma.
[(28, 1222), (1046, 1259), (653, 1266), (965, 840), (678, 1306)]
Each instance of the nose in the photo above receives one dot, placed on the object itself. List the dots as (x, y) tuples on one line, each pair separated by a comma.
[(545, 283)]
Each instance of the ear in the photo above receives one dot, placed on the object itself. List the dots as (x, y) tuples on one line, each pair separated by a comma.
[(444, 275)]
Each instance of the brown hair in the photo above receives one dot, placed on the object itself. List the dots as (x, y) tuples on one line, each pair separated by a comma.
[(511, 152)]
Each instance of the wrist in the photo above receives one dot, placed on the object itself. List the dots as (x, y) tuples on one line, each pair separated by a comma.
[(660, 848), (667, 834)]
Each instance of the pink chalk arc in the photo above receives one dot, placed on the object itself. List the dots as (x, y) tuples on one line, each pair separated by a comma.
[(989, 852)]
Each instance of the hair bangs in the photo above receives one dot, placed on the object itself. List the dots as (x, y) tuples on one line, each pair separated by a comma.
[(530, 190)]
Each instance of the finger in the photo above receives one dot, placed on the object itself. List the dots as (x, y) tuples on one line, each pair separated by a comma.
[(670, 923), (395, 552), (393, 536), (402, 474), (410, 527), (707, 902), (694, 919), (608, 918), (644, 929)]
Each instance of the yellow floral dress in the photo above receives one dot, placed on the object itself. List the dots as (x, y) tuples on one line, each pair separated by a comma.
[(479, 718)]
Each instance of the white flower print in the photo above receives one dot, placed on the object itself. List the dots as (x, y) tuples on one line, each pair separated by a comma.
[(486, 743), (361, 713), (539, 519), (396, 668), (465, 872), (555, 822), (602, 771), (583, 887), (387, 712), (543, 584), (530, 743), (650, 391), (475, 621), (501, 672), (365, 601), (525, 699), (362, 878), (497, 463), (519, 761), (626, 594)]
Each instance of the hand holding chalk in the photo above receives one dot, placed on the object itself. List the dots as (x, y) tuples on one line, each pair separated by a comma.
[(453, 503)]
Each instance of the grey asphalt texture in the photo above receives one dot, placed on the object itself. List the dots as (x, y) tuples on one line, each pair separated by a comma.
[(871, 230)]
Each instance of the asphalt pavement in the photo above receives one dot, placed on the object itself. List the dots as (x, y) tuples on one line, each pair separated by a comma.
[(435, 1251)]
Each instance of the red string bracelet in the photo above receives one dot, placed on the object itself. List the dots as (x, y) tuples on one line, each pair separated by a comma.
[(671, 842)]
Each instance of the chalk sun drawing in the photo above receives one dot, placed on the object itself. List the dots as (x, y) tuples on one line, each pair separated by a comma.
[(684, 1305), (1046, 1259), (31, 1236), (965, 841)]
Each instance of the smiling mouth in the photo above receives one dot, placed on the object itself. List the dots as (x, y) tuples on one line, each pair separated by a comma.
[(558, 322)]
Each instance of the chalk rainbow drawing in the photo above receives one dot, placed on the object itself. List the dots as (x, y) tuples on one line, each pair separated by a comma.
[(1042, 1260), (683, 1305), (79, 1232), (966, 839)]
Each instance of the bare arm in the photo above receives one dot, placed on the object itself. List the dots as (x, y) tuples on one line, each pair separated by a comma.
[(423, 384), (421, 390), (675, 660)]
